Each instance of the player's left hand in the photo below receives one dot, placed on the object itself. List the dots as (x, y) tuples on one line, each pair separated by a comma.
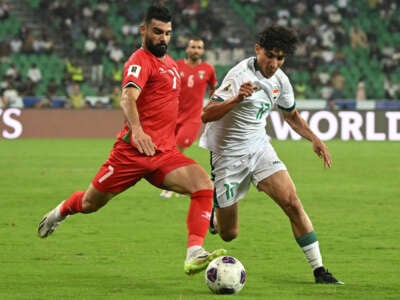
[(323, 152)]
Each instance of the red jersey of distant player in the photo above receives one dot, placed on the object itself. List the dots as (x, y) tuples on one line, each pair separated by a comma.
[(194, 82), (157, 105)]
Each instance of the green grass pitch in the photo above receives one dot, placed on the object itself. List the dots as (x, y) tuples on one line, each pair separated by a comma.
[(134, 247)]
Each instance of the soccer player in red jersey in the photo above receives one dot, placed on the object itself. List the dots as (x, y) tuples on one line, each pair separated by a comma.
[(146, 146), (196, 77)]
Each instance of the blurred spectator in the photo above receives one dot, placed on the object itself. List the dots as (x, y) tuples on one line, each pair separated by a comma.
[(324, 77), (76, 98), (16, 44), (326, 35), (232, 41), (300, 90), (34, 73), (389, 64), (360, 89), (43, 44), (107, 34), (73, 71), (28, 40), (90, 44), (340, 58), (3, 102), (131, 30), (338, 82), (12, 97), (4, 10), (392, 90), (326, 91), (327, 54), (13, 73), (116, 74), (95, 54), (344, 8), (97, 69), (27, 87), (115, 97), (52, 90), (358, 37), (115, 52), (5, 51), (4, 83), (330, 104), (33, 78)]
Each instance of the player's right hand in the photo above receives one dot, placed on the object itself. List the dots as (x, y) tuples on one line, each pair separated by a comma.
[(143, 143), (246, 90)]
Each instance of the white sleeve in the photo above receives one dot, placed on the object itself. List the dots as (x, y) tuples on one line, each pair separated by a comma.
[(228, 88), (286, 99)]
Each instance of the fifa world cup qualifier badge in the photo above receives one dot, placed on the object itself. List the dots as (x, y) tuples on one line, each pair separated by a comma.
[(227, 86)]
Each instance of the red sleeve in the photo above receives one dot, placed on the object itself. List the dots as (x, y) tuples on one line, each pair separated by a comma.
[(137, 70)]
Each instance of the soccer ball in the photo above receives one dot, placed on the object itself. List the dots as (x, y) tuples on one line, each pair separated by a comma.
[(225, 275)]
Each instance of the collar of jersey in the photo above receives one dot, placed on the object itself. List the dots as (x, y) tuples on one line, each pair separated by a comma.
[(254, 67)]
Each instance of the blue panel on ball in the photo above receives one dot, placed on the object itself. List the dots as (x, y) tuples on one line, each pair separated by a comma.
[(212, 274)]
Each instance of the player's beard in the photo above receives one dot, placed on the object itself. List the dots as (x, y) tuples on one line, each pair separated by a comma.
[(195, 57), (159, 50)]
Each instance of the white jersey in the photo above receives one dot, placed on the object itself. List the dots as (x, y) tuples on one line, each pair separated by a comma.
[(243, 129)]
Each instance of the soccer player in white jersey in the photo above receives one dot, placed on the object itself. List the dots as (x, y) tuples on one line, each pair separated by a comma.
[(241, 153)]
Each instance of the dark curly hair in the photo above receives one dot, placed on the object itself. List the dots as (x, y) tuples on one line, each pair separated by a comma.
[(279, 38), (157, 12)]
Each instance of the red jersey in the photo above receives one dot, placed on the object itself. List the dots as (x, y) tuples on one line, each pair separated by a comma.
[(157, 105), (194, 82)]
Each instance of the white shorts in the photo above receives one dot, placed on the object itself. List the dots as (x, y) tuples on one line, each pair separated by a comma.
[(232, 175)]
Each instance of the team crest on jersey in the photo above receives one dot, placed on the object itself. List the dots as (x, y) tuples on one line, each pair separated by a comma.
[(275, 92), (134, 70), (202, 74)]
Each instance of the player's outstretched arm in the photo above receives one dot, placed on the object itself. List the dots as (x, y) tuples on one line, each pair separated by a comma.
[(298, 124)]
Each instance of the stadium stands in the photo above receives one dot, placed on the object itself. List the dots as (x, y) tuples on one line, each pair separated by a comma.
[(326, 30)]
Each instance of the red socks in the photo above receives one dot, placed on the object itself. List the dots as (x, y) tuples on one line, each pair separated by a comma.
[(73, 204), (198, 218)]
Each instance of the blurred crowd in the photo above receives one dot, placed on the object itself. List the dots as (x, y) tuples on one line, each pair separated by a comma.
[(99, 35), (331, 30)]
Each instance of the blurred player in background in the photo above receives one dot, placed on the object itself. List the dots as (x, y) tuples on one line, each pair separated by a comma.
[(146, 147), (241, 153), (196, 77)]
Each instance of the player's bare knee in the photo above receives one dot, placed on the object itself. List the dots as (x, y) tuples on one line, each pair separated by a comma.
[(292, 206), (228, 235), (207, 184)]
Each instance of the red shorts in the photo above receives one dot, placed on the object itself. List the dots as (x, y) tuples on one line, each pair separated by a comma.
[(186, 134), (125, 166)]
